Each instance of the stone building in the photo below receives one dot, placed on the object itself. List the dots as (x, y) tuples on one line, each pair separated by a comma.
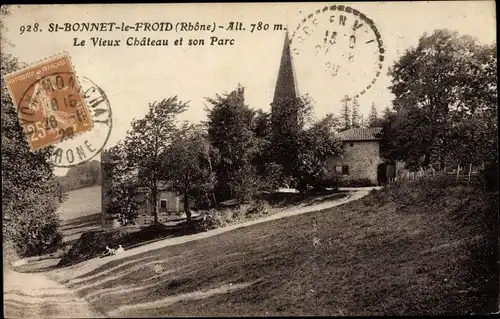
[(360, 163), (169, 204)]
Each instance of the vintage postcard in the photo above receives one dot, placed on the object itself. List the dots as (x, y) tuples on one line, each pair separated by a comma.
[(250, 159)]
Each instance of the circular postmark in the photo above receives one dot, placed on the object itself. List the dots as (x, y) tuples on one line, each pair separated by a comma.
[(344, 44), (87, 145), (75, 120)]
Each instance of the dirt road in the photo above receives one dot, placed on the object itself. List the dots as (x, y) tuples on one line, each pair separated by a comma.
[(33, 295)]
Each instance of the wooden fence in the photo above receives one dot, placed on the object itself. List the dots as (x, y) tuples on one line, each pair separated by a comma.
[(464, 175)]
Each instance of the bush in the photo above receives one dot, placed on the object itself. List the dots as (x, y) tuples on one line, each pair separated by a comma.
[(9, 254), (258, 208), (213, 219), (415, 192), (275, 177), (245, 183), (219, 218), (90, 245), (33, 230)]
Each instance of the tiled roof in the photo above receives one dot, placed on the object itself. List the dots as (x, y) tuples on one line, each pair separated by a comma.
[(360, 134)]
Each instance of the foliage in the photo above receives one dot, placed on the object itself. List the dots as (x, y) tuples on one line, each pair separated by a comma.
[(329, 124), (30, 194), (445, 102), (188, 163), (230, 131), (147, 142), (373, 118), (346, 113), (357, 118), (83, 175), (261, 124), (300, 154), (316, 145), (213, 219), (275, 177), (262, 128), (91, 245), (290, 116), (123, 189)]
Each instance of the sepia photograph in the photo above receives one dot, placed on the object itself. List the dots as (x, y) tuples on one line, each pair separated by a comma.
[(249, 159)]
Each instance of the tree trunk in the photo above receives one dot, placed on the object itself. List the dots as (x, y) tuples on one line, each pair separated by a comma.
[(214, 199), (211, 172), (154, 202), (186, 207)]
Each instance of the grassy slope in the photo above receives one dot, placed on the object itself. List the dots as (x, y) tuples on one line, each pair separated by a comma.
[(81, 202), (415, 254), (80, 212)]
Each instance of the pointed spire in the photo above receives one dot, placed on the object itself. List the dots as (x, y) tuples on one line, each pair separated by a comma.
[(286, 85)]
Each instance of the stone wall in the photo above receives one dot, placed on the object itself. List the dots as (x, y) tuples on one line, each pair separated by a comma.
[(362, 158)]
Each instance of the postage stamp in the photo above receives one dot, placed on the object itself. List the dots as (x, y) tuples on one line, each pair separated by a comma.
[(347, 45), (87, 145), (49, 101)]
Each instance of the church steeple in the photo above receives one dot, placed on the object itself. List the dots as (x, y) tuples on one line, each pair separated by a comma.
[(286, 85)]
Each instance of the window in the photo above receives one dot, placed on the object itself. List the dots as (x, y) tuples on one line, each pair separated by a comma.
[(351, 144), (345, 170), (163, 205), (342, 170)]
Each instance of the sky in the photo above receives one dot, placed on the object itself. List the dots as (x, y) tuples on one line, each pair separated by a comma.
[(134, 76)]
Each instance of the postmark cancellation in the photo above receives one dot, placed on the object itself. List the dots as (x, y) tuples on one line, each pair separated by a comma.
[(49, 101)]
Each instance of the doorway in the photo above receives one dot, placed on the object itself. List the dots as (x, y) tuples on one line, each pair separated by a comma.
[(382, 174)]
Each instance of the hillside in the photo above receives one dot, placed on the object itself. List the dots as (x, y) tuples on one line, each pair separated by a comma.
[(80, 212), (81, 176), (425, 249), (81, 202)]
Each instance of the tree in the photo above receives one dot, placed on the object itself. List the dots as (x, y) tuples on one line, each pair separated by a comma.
[(290, 116), (356, 116), (442, 82), (30, 194), (387, 112), (346, 113), (316, 145), (230, 132), (83, 175), (373, 118), (124, 189), (262, 128), (188, 164), (330, 122), (261, 124), (147, 142), (300, 153)]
